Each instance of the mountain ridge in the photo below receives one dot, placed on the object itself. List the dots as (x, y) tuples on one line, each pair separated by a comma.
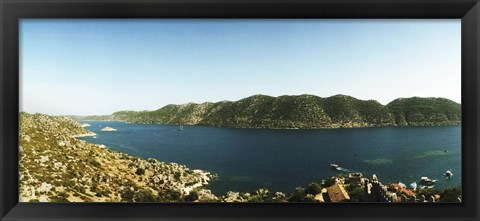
[(299, 112)]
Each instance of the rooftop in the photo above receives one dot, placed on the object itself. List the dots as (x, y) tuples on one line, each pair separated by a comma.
[(337, 193)]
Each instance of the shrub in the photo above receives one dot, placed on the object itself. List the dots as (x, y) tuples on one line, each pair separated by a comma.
[(61, 197), (144, 195), (95, 163), (170, 195), (128, 196), (140, 171), (177, 175), (192, 196), (63, 194)]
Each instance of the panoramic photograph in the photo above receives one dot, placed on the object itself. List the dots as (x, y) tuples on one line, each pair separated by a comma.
[(240, 111)]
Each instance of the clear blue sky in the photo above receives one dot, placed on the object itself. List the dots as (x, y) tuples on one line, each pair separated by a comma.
[(86, 67)]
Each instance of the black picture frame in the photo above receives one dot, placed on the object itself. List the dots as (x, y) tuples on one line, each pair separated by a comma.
[(13, 10)]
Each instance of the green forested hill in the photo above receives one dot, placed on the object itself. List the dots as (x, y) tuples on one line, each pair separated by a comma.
[(302, 111), (418, 111)]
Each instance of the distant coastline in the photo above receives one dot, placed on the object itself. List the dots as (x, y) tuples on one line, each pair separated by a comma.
[(298, 112)]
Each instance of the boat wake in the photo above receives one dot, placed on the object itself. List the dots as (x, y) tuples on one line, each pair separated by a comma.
[(339, 168)]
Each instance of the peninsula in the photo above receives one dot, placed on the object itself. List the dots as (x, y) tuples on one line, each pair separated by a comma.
[(56, 167)]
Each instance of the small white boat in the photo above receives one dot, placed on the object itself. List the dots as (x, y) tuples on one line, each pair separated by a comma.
[(413, 185), (108, 129), (448, 174), (427, 181)]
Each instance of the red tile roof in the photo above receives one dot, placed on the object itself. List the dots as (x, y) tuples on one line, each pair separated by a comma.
[(337, 193)]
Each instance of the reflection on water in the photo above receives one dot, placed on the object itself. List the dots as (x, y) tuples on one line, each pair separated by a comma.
[(432, 153), (379, 161)]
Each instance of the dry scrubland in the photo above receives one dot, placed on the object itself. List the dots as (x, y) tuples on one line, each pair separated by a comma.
[(57, 167)]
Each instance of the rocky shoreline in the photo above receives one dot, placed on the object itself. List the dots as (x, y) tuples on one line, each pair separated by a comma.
[(57, 167)]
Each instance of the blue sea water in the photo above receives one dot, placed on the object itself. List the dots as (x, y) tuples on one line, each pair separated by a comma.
[(248, 159)]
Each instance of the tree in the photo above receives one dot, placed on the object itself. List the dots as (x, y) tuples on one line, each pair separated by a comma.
[(313, 188), (357, 194), (329, 182), (298, 195)]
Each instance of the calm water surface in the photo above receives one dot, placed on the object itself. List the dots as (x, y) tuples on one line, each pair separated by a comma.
[(248, 159)]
